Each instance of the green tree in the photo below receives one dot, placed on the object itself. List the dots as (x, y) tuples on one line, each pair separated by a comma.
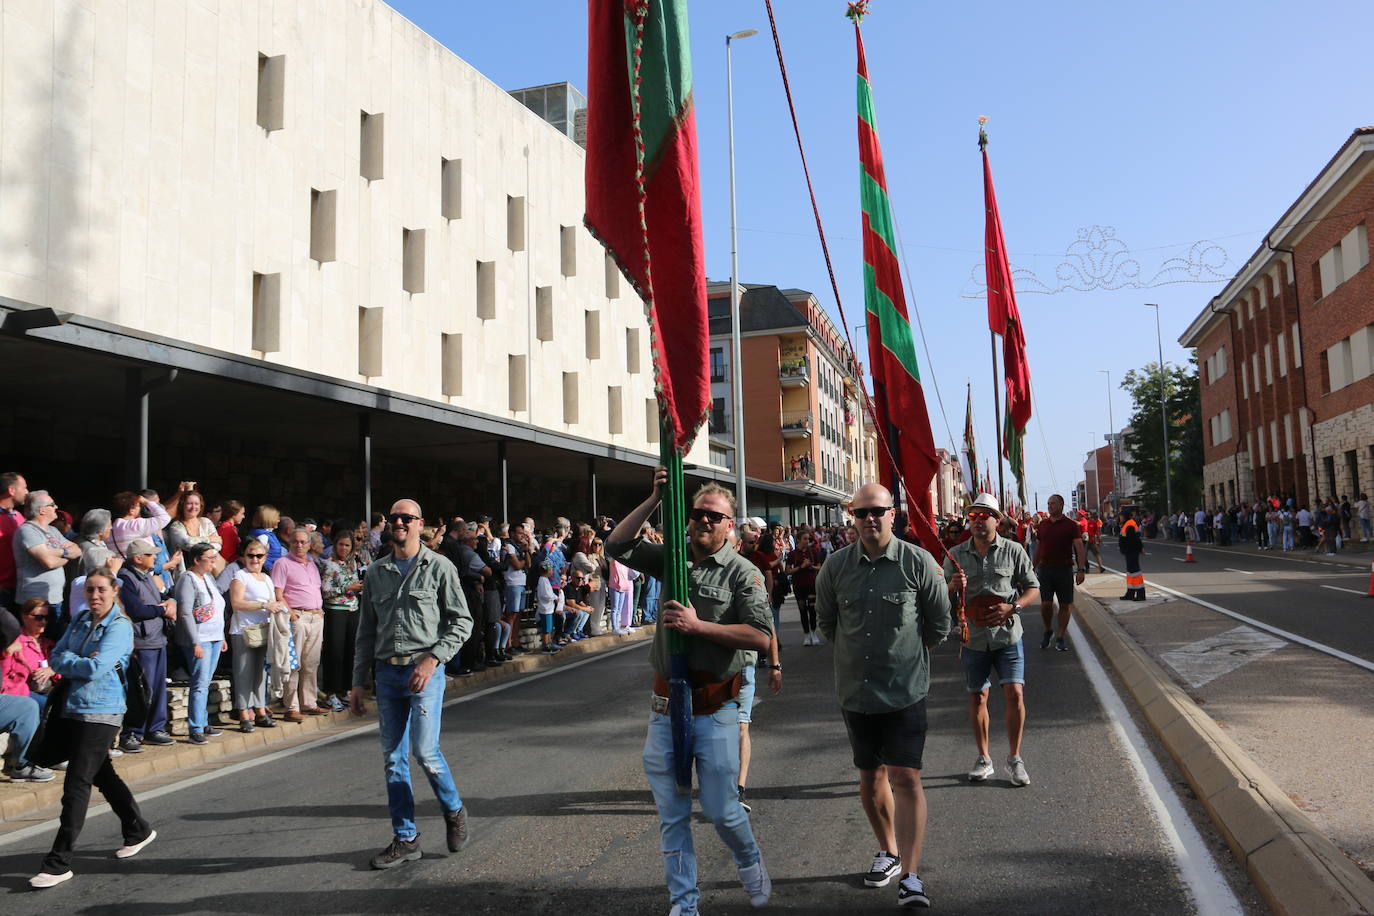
[(1144, 443)]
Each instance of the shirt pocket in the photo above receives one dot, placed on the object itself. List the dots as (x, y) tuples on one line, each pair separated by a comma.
[(899, 609), (712, 601)]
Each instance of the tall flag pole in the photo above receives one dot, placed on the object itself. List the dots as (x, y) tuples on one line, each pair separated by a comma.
[(644, 204), (898, 399), (970, 449), (1004, 318)]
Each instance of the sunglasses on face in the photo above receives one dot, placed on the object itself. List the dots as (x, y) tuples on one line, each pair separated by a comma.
[(39, 616), (255, 556), (403, 517), (707, 516), (976, 516), (870, 512)]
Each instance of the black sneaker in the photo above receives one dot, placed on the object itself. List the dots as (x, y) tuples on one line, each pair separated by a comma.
[(1061, 644), (743, 802), (398, 853), (198, 738), (130, 744), (159, 739), (1045, 640), (885, 867), (912, 892), (212, 732), (456, 828)]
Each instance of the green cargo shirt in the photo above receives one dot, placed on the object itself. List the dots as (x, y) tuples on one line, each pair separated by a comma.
[(881, 614), (423, 613), (724, 588), (1005, 572)]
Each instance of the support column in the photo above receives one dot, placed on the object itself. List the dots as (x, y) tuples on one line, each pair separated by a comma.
[(503, 468), (591, 484), (365, 457), (138, 385)]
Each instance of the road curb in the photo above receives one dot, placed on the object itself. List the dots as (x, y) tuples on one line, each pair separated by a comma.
[(19, 801), (1295, 867)]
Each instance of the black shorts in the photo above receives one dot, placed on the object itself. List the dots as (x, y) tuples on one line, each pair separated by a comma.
[(1056, 582), (896, 738)]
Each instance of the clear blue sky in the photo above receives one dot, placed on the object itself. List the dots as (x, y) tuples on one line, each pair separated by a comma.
[(1171, 122)]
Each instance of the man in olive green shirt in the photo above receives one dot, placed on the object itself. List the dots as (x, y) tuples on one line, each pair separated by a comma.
[(997, 570), (883, 605), (412, 618), (728, 615)]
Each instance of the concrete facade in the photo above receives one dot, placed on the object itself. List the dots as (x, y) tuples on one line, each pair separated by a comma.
[(316, 185)]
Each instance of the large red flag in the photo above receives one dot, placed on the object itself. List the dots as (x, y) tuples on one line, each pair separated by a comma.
[(643, 194)]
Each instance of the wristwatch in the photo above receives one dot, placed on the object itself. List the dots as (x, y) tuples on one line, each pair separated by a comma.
[(771, 667)]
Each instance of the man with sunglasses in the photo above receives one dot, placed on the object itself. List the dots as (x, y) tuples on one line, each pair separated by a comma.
[(998, 580), (727, 618), (412, 618), (882, 602)]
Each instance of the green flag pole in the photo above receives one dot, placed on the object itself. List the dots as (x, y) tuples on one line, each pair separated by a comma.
[(675, 589)]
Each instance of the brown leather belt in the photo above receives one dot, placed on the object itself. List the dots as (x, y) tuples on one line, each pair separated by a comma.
[(707, 696)]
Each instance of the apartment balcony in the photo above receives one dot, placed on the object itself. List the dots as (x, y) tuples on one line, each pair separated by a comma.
[(799, 470), (796, 424), (794, 374)]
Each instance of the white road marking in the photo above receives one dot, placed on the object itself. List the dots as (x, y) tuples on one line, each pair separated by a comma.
[(1197, 868), (1233, 569), (1204, 661), (1337, 588), (50, 825), (1260, 625)]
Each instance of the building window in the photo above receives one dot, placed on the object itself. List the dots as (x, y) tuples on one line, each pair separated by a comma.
[(1244, 380), (1329, 465), (1216, 365), (1297, 347), (451, 364), (570, 397), (370, 158), (267, 312), (632, 349), (486, 290), (1268, 364), (592, 324), (1273, 440), (543, 312), (324, 207), (1339, 368), (413, 260), (651, 420), (567, 250), (370, 326), (717, 364), (1283, 354), (717, 416), (517, 384), (615, 407), (1352, 468), (612, 278), (451, 188), (271, 92), (515, 223), (1288, 434)]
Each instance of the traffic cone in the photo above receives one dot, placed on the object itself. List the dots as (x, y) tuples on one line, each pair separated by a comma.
[(1370, 593), (1188, 557)]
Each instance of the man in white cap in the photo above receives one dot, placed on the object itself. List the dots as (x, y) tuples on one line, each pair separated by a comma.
[(999, 581)]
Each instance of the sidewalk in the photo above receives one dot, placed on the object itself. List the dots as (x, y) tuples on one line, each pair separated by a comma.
[(1352, 554), (31, 801)]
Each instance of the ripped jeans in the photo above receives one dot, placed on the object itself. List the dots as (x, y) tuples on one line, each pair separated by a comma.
[(716, 748), (404, 715)]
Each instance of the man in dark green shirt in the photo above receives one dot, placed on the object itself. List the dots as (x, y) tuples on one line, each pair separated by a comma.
[(727, 616), (883, 604)]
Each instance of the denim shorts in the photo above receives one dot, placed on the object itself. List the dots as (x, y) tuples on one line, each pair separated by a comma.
[(1010, 662), (545, 623), (746, 693)]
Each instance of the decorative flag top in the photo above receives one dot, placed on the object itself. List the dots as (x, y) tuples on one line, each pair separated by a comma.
[(643, 189)]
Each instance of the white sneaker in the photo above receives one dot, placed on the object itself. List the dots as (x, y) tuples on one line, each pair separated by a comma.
[(757, 884), (43, 879), (982, 769), (125, 852), (1019, 776), (817, 639)]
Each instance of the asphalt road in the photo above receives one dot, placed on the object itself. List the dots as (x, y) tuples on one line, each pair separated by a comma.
[(562, 822), (1320, 601)]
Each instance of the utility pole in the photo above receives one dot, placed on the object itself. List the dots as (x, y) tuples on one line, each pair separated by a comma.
[(1163, 416)]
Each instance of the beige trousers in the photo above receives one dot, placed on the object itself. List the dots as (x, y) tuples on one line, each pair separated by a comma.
[(302, 687)]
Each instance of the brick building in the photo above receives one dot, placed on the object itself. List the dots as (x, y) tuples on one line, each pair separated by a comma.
[(1286, 350)]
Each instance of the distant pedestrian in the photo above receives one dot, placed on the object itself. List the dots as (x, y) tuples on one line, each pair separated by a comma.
[(411, 620), (1060, 563), (883, 603), (1362, 513), (1132, 546)]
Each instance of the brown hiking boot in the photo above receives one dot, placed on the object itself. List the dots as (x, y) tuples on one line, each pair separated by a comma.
[(456, 823), (398, 853), (293, 715)]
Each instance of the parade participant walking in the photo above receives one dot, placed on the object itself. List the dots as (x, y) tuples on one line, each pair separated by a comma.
[(1131, 545), (1092, 540), (1060, 563), (411, 620), (998, 581), (726, 617), (803, 565), (90, 657), (882, 602)]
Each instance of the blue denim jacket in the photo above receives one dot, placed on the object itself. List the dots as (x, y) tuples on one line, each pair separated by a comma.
[(97, 685)]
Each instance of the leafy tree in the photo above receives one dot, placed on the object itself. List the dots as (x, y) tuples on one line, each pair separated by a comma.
[(1144, 442)]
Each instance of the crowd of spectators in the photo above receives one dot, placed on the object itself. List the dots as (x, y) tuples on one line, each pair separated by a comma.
[(1279, 522)]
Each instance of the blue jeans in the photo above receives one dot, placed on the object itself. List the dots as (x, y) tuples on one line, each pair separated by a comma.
[(652, 589), (202, 669), (717, 766), (401, 715)]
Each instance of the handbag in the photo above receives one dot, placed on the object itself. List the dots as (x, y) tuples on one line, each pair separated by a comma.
[(254, 635)]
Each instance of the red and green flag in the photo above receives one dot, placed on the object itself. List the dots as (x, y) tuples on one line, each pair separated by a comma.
[(643, 190), (899, 402), (1004, 318)]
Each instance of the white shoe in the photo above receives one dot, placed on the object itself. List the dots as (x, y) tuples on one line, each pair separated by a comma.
[(1019, 776), (817, 639), (982, 769), (43, 879), (757, 884), (125, 852)]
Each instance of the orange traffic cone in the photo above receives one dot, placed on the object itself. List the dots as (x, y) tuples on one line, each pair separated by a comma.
[(1188, 557), (1370, 594)]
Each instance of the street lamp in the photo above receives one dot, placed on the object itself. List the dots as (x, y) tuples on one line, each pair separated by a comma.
[(1163, 416), (1111, 442), (736, 382)]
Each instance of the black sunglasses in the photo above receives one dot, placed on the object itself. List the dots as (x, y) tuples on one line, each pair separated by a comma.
[(870, 511), (39, 616), (403, 517), (706, 515)]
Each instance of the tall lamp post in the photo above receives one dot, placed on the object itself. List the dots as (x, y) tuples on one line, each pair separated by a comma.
[(1111, 443), (736, 381), (1163, 416)]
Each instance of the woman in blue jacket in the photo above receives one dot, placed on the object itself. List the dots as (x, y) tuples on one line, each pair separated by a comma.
[(92, 655)]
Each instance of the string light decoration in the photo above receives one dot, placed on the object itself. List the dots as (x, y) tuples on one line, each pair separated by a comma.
[(1098, 260)]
